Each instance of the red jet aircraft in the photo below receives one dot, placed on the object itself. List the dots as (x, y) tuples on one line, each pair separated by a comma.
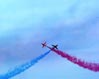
[(45, 45)]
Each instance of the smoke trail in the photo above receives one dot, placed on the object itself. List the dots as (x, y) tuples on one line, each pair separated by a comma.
[(84, 64), (23, 67)]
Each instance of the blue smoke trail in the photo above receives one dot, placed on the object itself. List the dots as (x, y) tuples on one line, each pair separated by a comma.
[(23, 67)]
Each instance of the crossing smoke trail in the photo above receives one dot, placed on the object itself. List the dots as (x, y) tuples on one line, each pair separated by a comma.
[(87, 65), (23, 67)]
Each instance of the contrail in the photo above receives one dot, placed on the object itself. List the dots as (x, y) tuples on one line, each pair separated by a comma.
[(23, 67), (84, 64)]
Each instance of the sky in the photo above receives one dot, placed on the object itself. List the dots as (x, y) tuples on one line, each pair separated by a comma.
[(72, 24)]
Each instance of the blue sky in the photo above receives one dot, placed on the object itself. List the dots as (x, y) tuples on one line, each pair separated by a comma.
[(73, 24)]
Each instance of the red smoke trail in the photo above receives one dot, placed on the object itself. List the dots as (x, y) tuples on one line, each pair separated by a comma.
[(91, 66)]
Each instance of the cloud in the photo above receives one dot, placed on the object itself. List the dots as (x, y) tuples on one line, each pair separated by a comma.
[(73, 24)]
